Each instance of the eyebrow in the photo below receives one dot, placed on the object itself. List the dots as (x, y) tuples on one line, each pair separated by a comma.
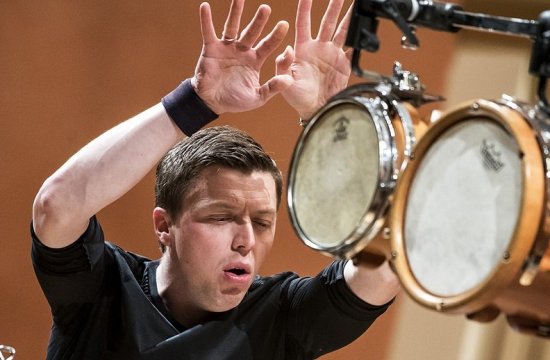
[(227, 205)]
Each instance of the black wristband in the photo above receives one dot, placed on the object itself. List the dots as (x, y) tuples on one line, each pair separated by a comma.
[(186, 108)]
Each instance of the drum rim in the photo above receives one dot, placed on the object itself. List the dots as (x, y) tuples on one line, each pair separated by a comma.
[(533, 177), (540, 123), (374, 217)]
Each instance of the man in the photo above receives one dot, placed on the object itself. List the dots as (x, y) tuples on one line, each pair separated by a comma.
[(217, 196)]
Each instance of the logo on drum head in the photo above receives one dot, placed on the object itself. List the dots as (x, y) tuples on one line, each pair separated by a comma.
[(341, 129), (491, 157)]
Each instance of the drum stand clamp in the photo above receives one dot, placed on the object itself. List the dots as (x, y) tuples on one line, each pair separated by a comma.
[(403, 85)]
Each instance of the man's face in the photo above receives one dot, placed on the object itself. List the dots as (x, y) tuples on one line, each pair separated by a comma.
[(222, 237)]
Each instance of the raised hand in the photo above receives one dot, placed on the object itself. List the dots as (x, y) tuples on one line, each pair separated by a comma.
[(319, 67), (228, 71)]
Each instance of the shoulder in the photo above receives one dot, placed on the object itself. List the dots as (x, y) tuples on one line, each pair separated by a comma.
[(289, 282), (133, 262), (276, 280)]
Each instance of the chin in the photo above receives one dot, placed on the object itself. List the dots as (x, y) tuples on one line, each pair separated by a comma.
[(227, 302)]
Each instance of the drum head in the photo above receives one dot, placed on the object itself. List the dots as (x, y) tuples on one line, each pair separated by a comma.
[(334, 176), (463, 206)]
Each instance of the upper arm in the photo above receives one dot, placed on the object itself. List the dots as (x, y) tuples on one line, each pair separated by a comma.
[(325, 314), (100, 173), (71, 275)]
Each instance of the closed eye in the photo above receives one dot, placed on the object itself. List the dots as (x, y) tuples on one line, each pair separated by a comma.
[(221, 218), (262, 224)]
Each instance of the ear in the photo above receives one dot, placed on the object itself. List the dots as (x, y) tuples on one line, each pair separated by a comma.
[(162, 223)]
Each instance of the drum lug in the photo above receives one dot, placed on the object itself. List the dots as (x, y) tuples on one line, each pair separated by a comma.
[(531, 269)]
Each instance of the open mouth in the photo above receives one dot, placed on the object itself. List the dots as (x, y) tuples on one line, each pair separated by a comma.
[(237, 271)]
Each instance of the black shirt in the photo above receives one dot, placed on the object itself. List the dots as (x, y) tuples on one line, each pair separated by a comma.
[(105, 305)]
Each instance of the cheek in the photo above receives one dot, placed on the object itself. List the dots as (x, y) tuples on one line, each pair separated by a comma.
[(263, 252), (196, 240), (263, 247)]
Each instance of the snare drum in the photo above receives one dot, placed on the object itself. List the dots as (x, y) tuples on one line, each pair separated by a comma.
[(469, 225), (344, 169)]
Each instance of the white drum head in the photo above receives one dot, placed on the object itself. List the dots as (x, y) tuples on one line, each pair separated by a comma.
[(335, 175), (463, 207)]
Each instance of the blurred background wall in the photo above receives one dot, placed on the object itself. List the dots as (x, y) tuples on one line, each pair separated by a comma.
[(71, 70)]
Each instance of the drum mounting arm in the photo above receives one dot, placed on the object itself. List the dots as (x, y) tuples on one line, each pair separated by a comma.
[(540, 59), (448, 17), (406, 14)]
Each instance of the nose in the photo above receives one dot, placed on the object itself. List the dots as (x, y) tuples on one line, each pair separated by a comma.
[(244, 237)]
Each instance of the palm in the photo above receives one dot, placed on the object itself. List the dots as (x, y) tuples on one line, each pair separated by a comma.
[(227, 77), (320, 70)]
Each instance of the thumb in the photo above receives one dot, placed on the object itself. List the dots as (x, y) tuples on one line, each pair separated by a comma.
[(349, 53), (284, 60), (274, 86)]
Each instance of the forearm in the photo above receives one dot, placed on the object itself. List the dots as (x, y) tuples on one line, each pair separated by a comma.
[(100, 173), (374, 285)]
